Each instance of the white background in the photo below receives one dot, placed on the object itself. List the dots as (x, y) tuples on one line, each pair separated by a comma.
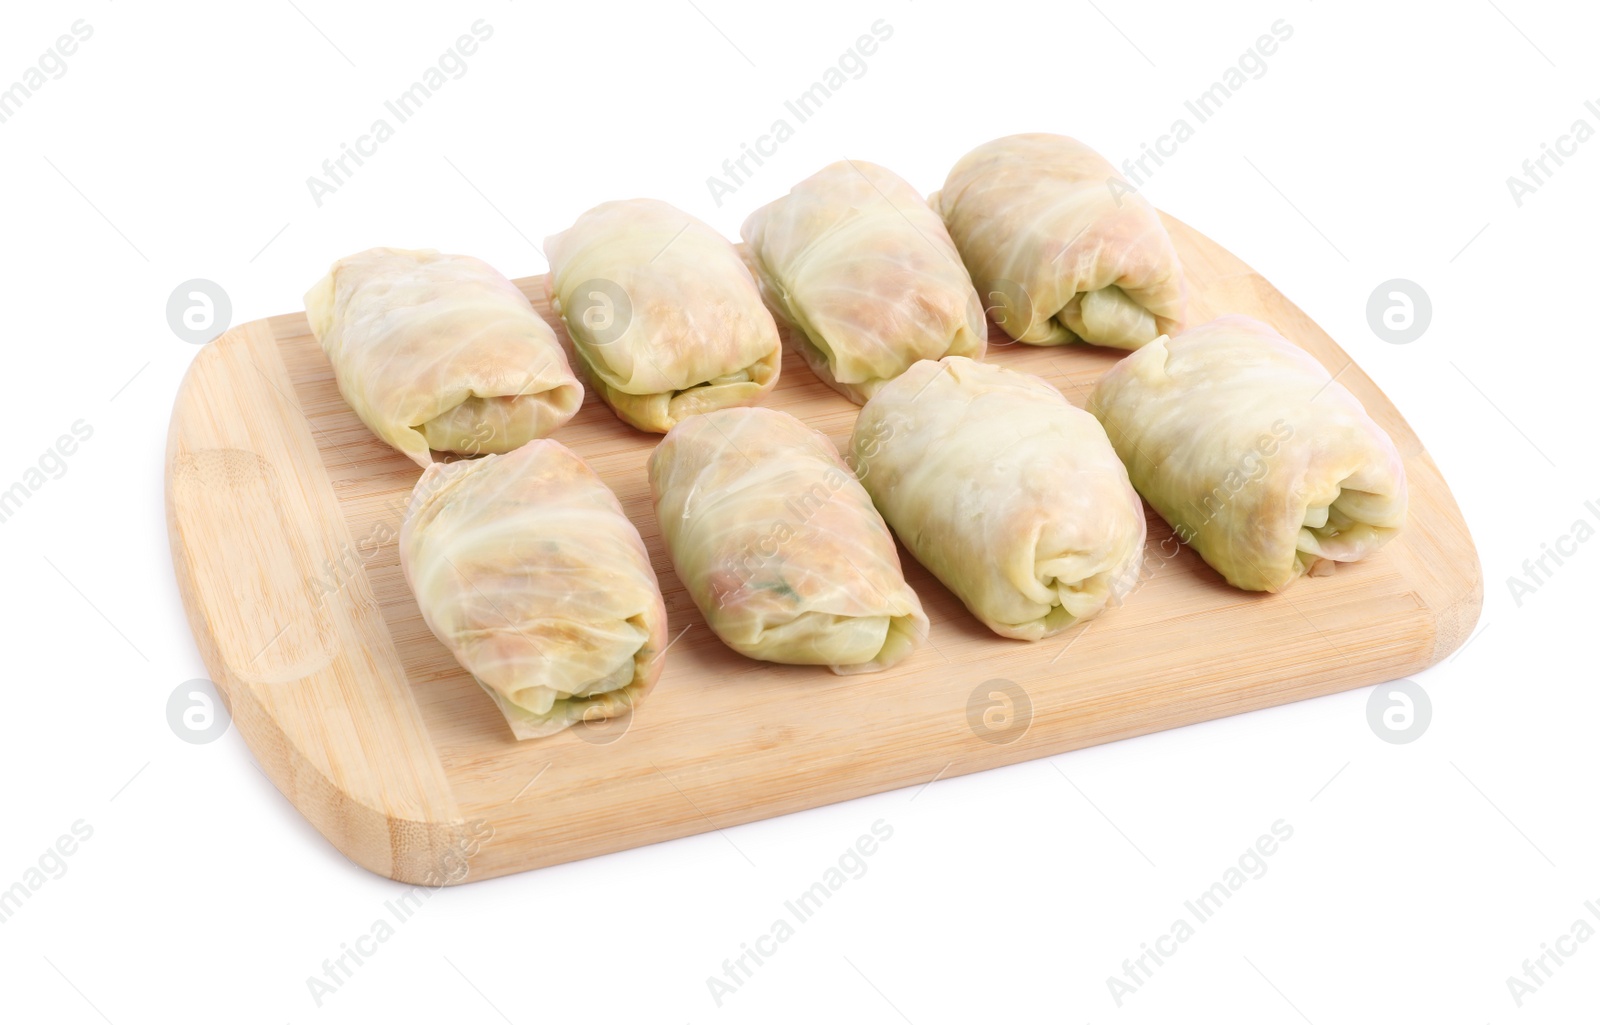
[(1377, 145)]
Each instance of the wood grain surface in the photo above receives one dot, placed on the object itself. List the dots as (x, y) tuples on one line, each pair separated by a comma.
[(284, 512)]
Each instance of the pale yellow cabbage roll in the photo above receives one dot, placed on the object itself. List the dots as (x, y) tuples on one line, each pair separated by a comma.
[(779, 546), (1252, 453), (1060, 247), (440, 352), (662, 312), (1007, 492), (526, 568), (866, 275)]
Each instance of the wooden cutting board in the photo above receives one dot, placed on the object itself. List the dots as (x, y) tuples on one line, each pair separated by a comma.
[(284, 511)]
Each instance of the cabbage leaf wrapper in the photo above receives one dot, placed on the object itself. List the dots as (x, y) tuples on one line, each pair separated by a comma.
[(662, 312), (440, 352), (867, 276), (1060, 246), (1255, 456), (779, 546), (1005, 491), (526, 568)]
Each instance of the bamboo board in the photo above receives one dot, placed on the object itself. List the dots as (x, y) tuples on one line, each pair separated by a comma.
[(284, 511)]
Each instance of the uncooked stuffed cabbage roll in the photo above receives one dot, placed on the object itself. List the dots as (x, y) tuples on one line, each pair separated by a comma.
[(779, 546), (1256, 458), (1060, 246), (1007, 492), (525, 567), (662, 312), (866, 275), (440, 352)]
